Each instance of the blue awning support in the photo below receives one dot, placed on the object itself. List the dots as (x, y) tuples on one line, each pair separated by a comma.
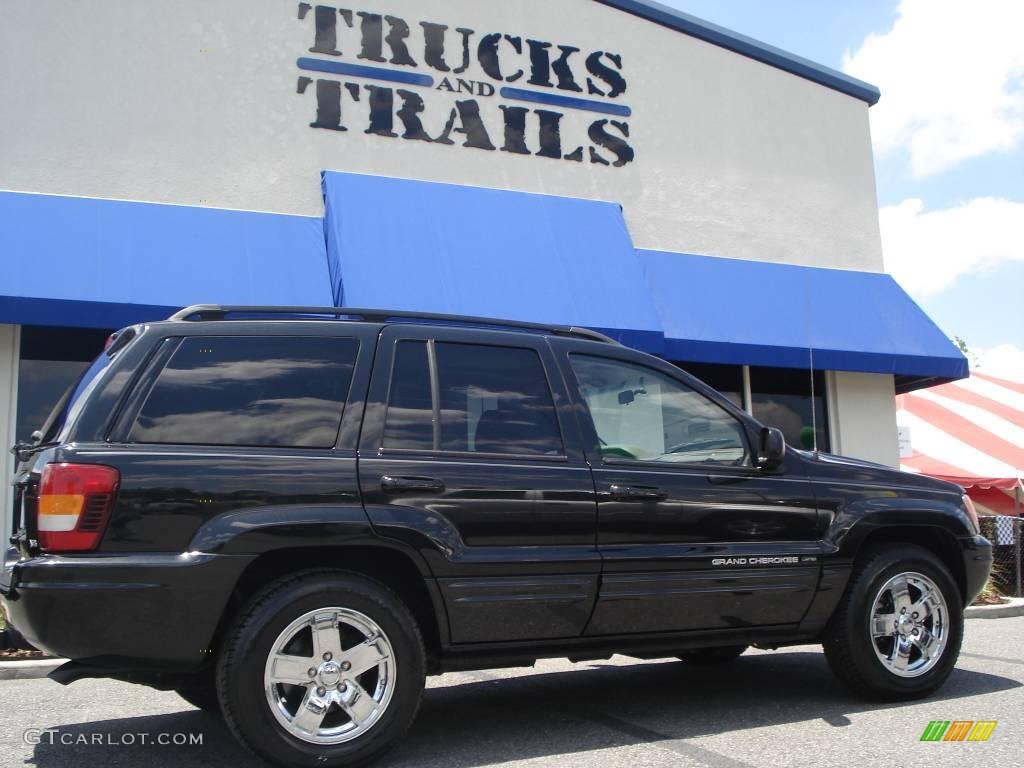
[(429, 247), (718, 310), (90, 262)]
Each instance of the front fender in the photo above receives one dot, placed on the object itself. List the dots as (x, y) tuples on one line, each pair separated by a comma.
[(853, 514), (854, 522)]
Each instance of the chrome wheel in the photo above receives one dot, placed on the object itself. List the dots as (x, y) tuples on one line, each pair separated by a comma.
[(330, 676), (909, 624)]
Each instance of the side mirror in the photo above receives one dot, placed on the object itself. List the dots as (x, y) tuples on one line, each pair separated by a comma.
[(772, 451)]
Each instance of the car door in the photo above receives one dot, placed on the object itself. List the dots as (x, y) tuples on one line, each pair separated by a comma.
[(692, 533), (467, 453)]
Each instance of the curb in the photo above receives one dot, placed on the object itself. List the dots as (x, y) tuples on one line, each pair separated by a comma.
[(1014, 608), (28, 669)]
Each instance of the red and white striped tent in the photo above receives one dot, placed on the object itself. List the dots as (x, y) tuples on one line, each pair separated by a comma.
[(970, 432)]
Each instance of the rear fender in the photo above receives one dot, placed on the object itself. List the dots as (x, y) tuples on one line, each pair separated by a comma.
[(266, 529)]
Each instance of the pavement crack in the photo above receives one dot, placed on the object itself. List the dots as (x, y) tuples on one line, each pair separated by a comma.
[(681, 747)]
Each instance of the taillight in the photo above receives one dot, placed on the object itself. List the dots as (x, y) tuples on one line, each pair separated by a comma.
[(74, 506)]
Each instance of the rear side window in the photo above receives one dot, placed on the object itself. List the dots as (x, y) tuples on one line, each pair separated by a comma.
[(489, 400), (277, 391), (409, 423)]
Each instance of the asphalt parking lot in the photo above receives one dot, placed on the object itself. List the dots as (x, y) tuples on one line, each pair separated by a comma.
[(780, 708)]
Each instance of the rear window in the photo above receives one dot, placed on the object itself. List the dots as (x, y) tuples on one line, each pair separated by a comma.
[(278, 391)]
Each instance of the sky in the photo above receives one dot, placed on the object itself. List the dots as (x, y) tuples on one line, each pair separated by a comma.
[(948, 137)]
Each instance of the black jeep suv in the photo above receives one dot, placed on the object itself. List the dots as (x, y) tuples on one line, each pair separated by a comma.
[(292, 515)]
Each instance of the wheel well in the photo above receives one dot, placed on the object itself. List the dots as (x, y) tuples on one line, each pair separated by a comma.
[(393, 569), (937, 541)]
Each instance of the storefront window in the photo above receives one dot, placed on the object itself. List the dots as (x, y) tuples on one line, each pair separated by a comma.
[(726, 379), (781, 397), (51, 360)]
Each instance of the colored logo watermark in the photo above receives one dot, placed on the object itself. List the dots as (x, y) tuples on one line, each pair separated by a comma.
[(959, 730)]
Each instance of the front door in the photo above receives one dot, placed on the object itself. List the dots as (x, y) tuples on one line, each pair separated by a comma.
[(692, 533), (467, 453)]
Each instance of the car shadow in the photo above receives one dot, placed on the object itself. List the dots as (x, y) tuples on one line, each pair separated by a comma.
[(593, 706)]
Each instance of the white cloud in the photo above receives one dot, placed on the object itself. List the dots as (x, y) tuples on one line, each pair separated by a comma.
[(926, 251), (1005, 360), (952, 79)]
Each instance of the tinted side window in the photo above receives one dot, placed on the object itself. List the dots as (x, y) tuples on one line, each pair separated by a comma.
[(268, 391), (495, 400), (409, 421), (641, 414), (490, 400)]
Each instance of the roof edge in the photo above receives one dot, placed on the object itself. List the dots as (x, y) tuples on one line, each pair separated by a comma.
[(749, 47)]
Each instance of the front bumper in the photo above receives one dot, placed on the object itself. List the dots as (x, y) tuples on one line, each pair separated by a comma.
[(140, 611), (977, 552)]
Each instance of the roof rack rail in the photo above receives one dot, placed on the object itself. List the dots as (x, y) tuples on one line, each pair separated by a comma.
[(199, 312)]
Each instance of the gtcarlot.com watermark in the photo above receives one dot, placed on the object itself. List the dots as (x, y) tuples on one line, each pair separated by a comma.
[(54, 737)]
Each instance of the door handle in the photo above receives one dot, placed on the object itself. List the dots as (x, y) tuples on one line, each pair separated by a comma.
[(398, 483), (637, 493)]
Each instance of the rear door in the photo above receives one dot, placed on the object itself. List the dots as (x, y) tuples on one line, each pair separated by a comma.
[(693, 535), (467, 454)]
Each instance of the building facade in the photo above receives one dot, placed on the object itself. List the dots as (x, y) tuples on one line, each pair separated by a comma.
[(608, 163)]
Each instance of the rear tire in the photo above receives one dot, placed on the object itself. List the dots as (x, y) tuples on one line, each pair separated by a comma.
[(324, 668), (713, 656), (897, 632)]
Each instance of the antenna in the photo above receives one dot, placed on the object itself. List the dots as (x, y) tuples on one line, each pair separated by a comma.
[(814, 404)]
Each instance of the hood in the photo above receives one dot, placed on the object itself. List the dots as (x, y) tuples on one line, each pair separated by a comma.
[(845, 467)]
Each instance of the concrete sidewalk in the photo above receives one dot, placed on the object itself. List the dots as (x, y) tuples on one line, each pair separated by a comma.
[(1013, 608), (28, 669)]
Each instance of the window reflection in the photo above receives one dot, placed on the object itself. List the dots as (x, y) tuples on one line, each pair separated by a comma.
[(495, 400), (491, 400), (409, 420), (272, 391)]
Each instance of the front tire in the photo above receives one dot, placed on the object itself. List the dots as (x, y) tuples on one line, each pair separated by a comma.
[(324, 669), (897, 632)]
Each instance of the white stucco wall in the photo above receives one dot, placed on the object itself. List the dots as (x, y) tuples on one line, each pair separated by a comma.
[(195, 102), (862, 416)]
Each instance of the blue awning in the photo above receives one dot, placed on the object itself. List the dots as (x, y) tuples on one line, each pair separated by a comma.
[(106, 263), (718, 310), (429, 247)]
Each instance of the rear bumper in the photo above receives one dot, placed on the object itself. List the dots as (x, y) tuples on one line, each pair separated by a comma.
[(121, 611), (977, 565)]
